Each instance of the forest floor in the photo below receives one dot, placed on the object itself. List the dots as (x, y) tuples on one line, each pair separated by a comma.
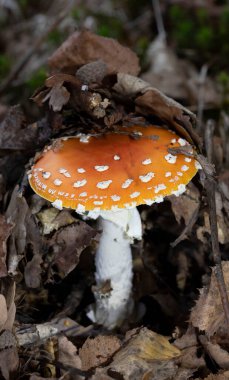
[(71, 70)]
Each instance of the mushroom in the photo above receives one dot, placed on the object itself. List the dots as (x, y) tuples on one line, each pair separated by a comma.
[(109, 175)]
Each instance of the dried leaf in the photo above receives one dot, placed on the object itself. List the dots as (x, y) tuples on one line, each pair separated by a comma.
[(32, 272), (5, 230), (58, 96), (9, 362), (208, 314), (14, 133), (68, 243), (85, 47), (67, 353), (52, 219), (144, 352), (218, 354), (98, 350), (3, 311), (153, 102), (186, 204)]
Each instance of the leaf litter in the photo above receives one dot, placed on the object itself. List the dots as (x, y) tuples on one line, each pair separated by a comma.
[(49, 253)]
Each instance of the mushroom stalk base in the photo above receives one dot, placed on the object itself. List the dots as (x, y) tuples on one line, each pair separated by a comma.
[(113, 276)]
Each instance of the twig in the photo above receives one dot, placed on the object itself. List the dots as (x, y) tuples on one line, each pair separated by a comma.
[(210, 185), (201, 100), (211, 190), (158, 18), (25, 59)]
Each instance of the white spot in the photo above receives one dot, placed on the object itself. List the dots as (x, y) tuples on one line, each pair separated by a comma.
[(98, 203), (116, 157), (93, 197), (51, 191), (104, 184), (72, 195), (80, 208), (184, 168), (159, 188), (197, 165), (66, 194), (115, 198), (64, 172), (44, 186), (101, 168), (46, 175), (127, 183), (83, 138), (80, 183), (40, 169), (114, 208), (81, 170), (182, 142), (96, 209), (57, 182), (180, 190), (147, 161), (173, 141), (159, 199), (130, 205), (84, 194), (58, 204), (61, 193), (135, 194), (168, 174), (147, 177), (149, 202), (170, 158), (188, 159), (84, 87), (180, 174)]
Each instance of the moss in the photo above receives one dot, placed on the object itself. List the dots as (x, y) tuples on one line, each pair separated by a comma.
[(109, 26), (5, 65), (56, 37), (37, 79)]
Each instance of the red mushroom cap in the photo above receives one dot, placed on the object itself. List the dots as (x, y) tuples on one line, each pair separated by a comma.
[(113, 171)]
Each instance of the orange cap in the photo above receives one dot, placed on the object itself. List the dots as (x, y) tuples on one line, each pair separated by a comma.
[(112, 171)]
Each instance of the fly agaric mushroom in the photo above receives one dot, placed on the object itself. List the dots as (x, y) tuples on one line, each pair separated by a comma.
[(111, 174)]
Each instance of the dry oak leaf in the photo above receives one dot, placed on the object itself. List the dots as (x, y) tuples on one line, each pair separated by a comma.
[(84, 47), (150, 101), (7, 304), (144, 351), (67, 353), (68, 243), (98, 350), (208, 315)]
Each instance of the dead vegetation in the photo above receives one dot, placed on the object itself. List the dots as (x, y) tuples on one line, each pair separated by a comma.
[(179, 327)]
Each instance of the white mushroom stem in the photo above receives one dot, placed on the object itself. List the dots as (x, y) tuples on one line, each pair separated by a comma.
[(114, 267)]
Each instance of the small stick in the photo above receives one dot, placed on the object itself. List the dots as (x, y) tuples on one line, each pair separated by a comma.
[(211, 190), (158, 18)]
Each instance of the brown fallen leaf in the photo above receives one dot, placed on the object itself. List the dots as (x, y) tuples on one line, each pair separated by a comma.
[(218, 376), (68, 243), (58, 96), (84, 47), (7, 304), (150, 101), (144, 351), (98, 350), (32, 272), (9, 362), (184, 206), (215, 352), (67, 353), (5, 230), (208, 315), (52, 219)]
